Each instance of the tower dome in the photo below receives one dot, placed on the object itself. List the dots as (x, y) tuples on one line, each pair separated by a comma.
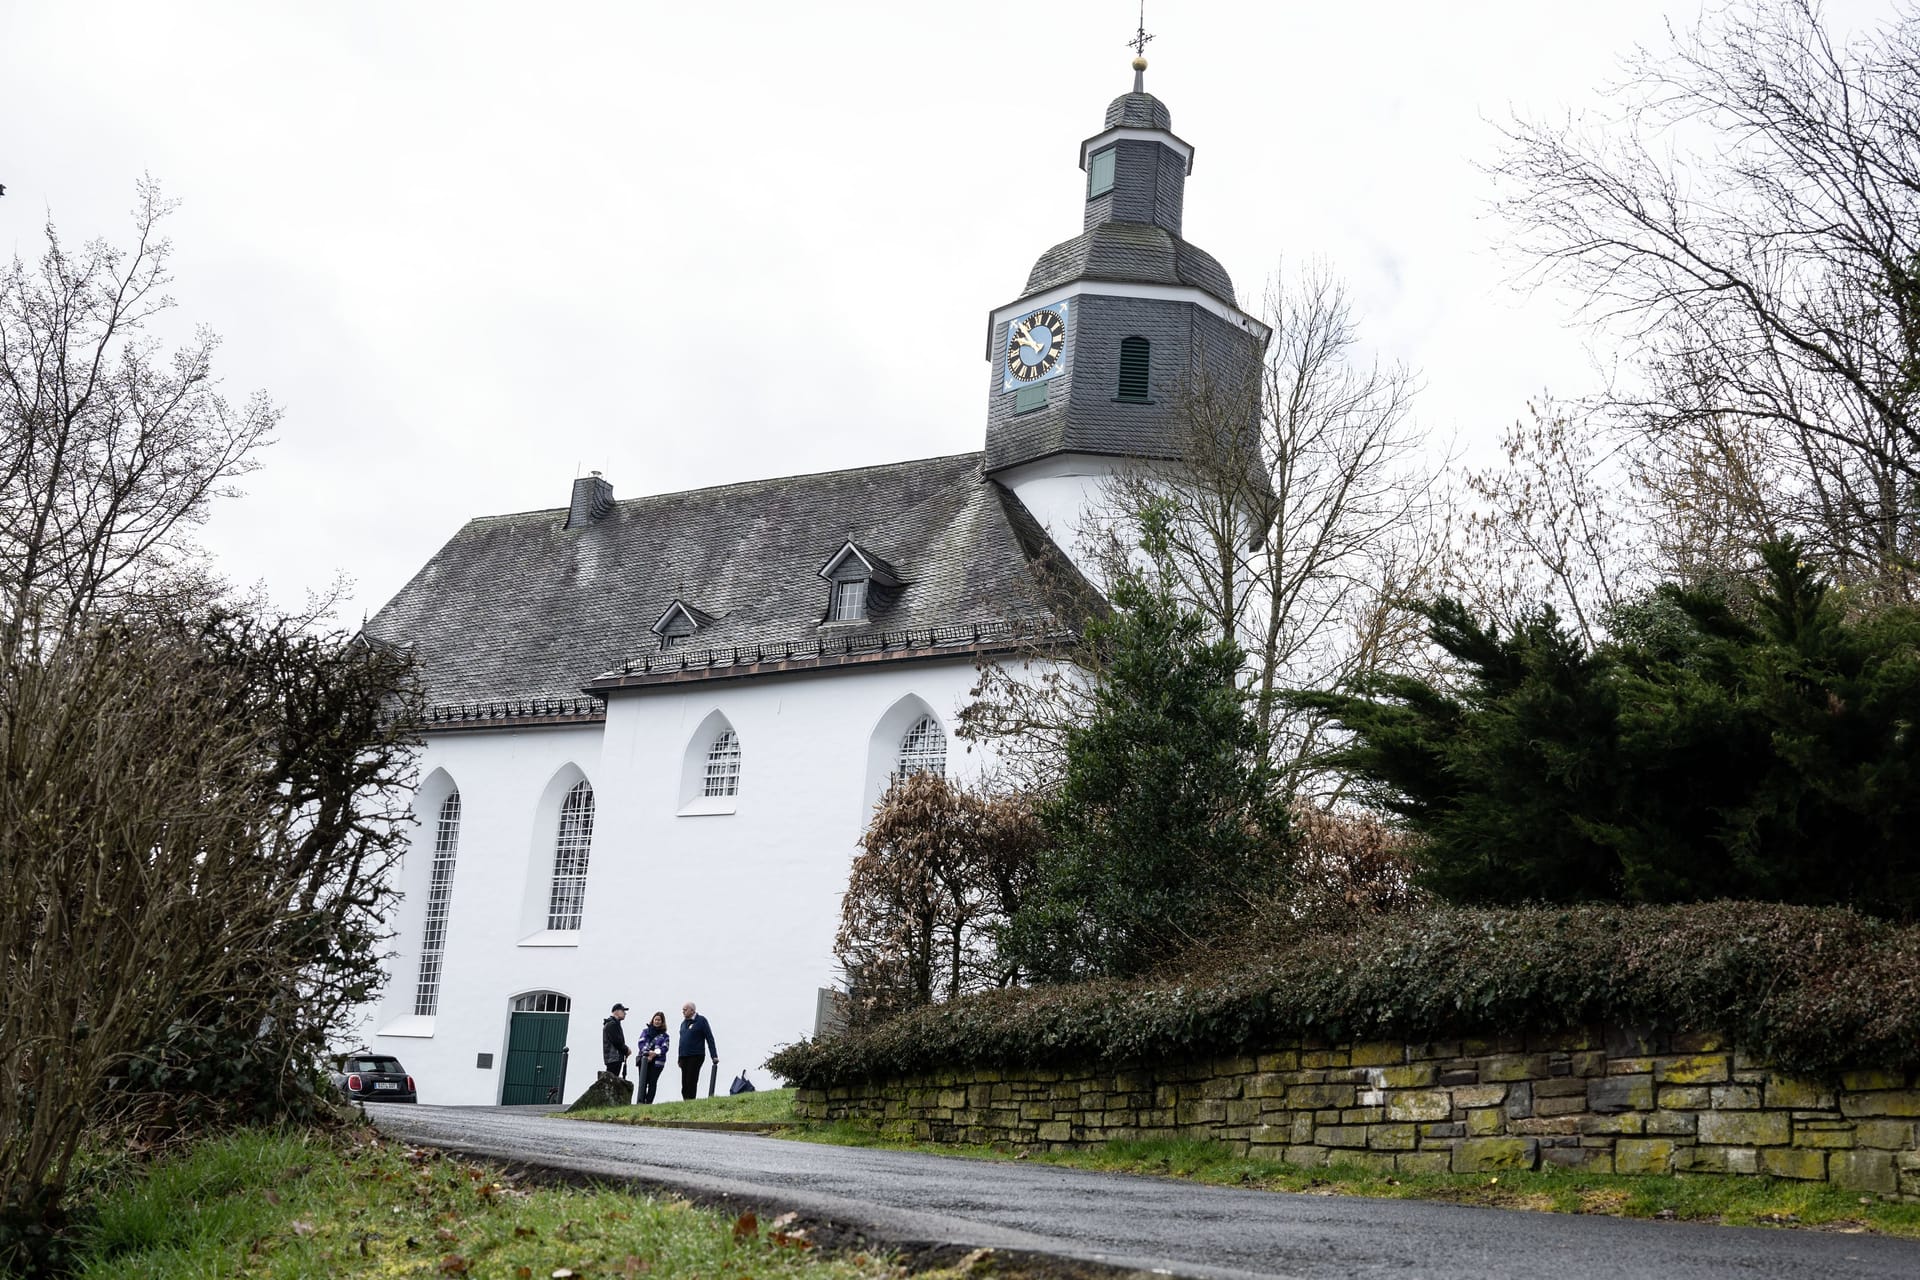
[(1138, 110)]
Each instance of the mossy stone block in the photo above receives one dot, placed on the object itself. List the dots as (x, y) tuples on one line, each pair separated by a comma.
[(1419, 1104), (1486, 1121), (1745, 1128), (1392, 1137), (1699, 1068), (1608, 1094), (1795, 1162), (1863, 1171), (1423, 1162), (1643, 1155), (1479, 1095), (1886, 1135), (1380, 1053), (1417, 1075), (1787, 1094), (1892, 1102), (1303, 1097), (1480, 1155)]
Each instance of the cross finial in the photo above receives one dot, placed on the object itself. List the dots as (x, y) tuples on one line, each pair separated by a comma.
[(1139, 46), (1140, 37)]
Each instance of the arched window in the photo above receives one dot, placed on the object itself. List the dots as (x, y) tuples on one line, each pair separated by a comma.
[(723, 766), (570, 848), (1136, 360), (542, 1002), (433, 931), (923, 749)]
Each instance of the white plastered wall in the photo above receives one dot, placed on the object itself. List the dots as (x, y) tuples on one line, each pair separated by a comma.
[(734, 910)]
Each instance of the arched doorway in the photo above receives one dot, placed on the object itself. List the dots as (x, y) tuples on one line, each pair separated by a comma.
[(536, 1049)]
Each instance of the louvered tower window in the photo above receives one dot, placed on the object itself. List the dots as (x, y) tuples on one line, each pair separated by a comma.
[(723, 766), (923, 749), (1136, 358), (433, 932), (568, 900)]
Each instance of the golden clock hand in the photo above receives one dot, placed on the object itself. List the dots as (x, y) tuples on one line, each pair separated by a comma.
[(1033, 342)]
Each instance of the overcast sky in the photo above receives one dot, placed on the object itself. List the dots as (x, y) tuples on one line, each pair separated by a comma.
[(476, 249)]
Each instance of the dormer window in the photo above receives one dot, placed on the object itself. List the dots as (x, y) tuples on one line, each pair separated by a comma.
[(849, 601), (680, 621), (859, 584)]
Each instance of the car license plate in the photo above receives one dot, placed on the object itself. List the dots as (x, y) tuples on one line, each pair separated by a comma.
[(385, 1084)]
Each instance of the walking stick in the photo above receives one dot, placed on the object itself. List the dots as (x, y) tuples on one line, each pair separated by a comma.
[(713, 1077)]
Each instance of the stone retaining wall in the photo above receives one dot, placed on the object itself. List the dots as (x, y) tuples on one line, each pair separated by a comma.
[(1607, 1100)]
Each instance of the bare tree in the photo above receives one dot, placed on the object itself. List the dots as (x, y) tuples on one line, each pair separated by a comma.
[(1554, 522), (1300, 536), (941, 867), (111, 446), (1746, 227)]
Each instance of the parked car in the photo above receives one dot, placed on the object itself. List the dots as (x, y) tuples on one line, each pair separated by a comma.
[(374, 1077)]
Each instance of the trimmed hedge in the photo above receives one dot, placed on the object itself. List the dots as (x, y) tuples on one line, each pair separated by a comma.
[(1811, 991)]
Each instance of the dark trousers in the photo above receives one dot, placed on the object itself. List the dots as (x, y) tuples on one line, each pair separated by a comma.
[(649, 1077), (690, 1078)]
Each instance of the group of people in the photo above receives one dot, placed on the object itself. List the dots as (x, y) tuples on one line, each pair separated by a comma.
[(650, 1050)]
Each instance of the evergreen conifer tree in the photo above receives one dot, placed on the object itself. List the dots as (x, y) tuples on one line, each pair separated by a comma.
[(1164, 821)]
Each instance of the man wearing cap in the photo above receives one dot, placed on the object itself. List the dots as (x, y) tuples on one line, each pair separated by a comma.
[(613, 1042)]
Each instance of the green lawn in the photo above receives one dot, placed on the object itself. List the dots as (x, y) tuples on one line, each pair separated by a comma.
[(295, 1205), (767, 1106)]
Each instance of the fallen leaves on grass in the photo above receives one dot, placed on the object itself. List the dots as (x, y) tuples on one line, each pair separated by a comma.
[(746, 1226)]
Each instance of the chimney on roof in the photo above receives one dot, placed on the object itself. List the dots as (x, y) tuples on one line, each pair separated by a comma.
[(592, 498)]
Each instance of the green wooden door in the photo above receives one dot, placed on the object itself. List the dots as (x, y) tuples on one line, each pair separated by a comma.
[(536, 1058)]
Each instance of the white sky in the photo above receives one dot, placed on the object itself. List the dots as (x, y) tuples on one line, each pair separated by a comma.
[(476, 249)]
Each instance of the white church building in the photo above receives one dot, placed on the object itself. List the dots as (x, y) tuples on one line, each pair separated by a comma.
[(658, 725)]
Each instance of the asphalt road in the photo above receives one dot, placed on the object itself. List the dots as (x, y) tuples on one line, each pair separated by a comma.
[(1148, 1223)]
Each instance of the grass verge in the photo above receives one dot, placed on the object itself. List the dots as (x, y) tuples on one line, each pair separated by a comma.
[(765, 1106), (300, 1205)]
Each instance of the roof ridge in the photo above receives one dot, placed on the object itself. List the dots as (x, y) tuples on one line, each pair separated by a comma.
[(742, 484)]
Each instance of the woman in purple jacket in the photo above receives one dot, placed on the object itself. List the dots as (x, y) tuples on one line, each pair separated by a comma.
[(654, 1041)]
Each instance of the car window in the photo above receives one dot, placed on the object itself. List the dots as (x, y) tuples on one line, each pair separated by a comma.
[(372, 1064)]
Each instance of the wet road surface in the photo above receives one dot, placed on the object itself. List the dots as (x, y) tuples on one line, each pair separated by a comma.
[(1149, 1223)]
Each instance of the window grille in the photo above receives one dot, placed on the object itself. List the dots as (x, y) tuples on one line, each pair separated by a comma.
[(542, 1002), (723, 765), (433, 931), (849, 601), (1100, 173), (1136, 357), (923, 749), (570, 848)]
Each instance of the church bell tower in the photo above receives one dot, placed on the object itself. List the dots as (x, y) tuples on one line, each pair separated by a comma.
[(1089, 365)]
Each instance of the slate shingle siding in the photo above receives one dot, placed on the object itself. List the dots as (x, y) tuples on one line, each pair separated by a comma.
[(1148, 185), (518, 606), (1081, 413), (1131, 251), (1138, 111)]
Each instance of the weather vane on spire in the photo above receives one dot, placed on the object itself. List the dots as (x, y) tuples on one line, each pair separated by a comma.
[(1139, 46), (1139, 42)]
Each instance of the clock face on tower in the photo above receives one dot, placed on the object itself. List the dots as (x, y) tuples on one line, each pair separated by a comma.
[(1035, 342)]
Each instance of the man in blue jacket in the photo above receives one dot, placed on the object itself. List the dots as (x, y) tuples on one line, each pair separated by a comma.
[(696, 1041)]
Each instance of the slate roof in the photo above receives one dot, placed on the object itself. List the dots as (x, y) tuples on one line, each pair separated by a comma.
[(520, 607), (1134, 251), (1138, 111)]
